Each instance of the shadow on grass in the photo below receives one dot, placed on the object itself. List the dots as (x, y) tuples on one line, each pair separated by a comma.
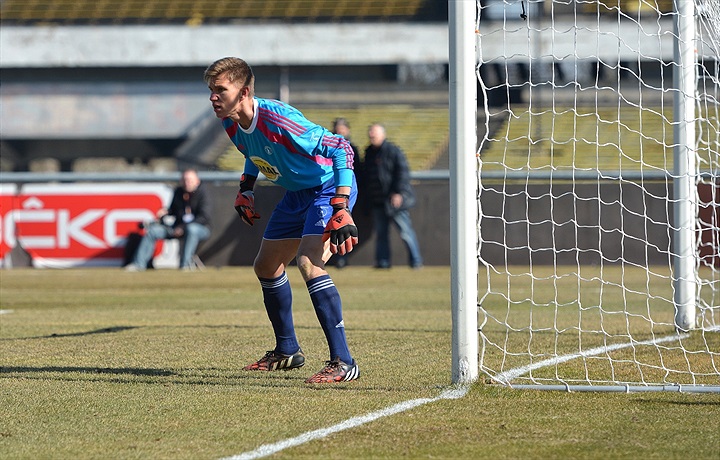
[(197, 376), (105, 330), (681, 403), (115, 329), (88, 370)]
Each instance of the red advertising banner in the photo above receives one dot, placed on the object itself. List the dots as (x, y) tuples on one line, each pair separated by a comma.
[(77, 225), (8, 197)]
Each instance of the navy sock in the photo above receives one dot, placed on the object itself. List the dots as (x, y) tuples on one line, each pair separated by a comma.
[(328, 308), (278, 304)]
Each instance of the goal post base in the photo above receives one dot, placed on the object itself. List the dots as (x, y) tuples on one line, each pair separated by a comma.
[(621, 388)]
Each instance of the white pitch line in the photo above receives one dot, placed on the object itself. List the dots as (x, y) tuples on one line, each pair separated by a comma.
[(269, 449), (451, 393), (6, 312), (508, 376)]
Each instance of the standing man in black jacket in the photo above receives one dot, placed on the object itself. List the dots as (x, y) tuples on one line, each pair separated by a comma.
[(387, 179), (187, 219)]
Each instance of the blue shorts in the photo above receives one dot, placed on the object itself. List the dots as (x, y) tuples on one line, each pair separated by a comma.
[(305, 212)]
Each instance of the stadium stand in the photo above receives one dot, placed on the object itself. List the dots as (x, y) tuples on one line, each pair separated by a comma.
[(422, 132), (195, 12), (576, 140), (77, 138), (419, 127)]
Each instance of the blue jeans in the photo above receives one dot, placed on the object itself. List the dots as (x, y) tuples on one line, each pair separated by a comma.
[(194, 234), (402, 221)]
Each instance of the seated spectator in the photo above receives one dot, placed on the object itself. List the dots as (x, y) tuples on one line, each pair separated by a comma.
[(187, 219)]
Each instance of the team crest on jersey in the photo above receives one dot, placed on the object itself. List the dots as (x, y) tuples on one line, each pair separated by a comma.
[(268, 150), (270, 171)]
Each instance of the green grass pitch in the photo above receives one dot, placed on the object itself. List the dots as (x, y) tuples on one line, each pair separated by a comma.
[(100, 363)]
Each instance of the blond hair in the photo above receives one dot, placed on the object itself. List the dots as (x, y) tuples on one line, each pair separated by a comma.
[(235, 69)]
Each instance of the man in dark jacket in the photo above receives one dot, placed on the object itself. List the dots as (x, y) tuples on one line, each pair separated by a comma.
[(187, 218), (387, 183)]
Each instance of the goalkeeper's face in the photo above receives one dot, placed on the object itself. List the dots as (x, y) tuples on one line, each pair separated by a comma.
[(225, 97)]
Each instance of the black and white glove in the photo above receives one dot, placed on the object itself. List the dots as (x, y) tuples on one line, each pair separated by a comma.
[(341, 229)]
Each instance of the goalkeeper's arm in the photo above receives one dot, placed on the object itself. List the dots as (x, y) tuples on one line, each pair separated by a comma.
[(341, 229)]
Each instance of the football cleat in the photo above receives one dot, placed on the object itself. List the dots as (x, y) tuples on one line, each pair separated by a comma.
[(336, 371), (274, 361)]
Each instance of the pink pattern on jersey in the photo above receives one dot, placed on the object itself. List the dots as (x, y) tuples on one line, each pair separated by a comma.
[(232, 129), (281, 121), (231, 132), (336, 142), (272, 136)]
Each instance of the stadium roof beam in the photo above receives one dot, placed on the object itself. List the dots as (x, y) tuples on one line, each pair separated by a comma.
[(311, 44), (180, 46)]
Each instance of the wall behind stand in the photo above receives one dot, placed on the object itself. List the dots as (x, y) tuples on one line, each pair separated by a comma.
[(235, 243)]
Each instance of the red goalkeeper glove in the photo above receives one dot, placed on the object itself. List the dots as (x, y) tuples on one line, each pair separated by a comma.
[(245, 200), (245, 207), (341, 229)]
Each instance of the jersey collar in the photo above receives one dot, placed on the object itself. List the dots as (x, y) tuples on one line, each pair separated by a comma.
[(254, 120)]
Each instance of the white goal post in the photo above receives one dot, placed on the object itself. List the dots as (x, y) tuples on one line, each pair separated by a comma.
[(585, 194)]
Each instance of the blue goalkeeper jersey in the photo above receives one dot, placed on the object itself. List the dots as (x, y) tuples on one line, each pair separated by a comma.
[(290, 150)]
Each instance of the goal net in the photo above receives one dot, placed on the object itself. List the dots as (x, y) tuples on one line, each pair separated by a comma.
[(598, 185)]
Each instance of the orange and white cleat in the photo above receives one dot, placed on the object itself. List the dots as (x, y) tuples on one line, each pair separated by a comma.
[(336, 371)]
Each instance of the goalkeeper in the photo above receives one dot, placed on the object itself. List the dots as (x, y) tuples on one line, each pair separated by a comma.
[(309, 224)]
